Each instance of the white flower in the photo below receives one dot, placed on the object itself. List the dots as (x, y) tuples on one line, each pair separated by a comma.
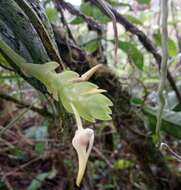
[(83, 142)]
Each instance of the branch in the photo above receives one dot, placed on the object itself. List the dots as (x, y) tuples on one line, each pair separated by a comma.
[(63, 19), (70, 8), (46, 40), (146, 42), (40, 111), (19, 33)]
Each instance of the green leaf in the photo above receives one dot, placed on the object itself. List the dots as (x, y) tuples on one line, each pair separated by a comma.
[(133, 53), (67, 77), (66, 87), (177, 108), (77, 20), (17, 153), (143, 1), (52, 14), (40, 147), (3, 61), (83, 111), (133, 19), (91, 46), (171, 121), (10, 77), (117, 3), (86, 98), (40, 178), (94, 12), (123, 164), (172, 48), (136, 101), (114, 2), (83, 87), (37, 182)]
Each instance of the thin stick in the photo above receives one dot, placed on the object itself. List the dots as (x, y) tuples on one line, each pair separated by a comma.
[(103, 157), (163, 71), (93, 24), (17, 118), (174, 154), (41, 111)]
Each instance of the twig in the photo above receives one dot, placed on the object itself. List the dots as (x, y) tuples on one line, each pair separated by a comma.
[(163, 71), (8, 185), (12, 122), (40, 111), (64, 21), (21, 167), (175, 155), (103, 157), (91, 22), (6, 142)]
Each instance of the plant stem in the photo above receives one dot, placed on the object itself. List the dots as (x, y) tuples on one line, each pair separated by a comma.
[(77, 117), (163, 70)]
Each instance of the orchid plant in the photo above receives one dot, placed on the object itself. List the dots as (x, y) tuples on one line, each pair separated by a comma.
[(77, 95)]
